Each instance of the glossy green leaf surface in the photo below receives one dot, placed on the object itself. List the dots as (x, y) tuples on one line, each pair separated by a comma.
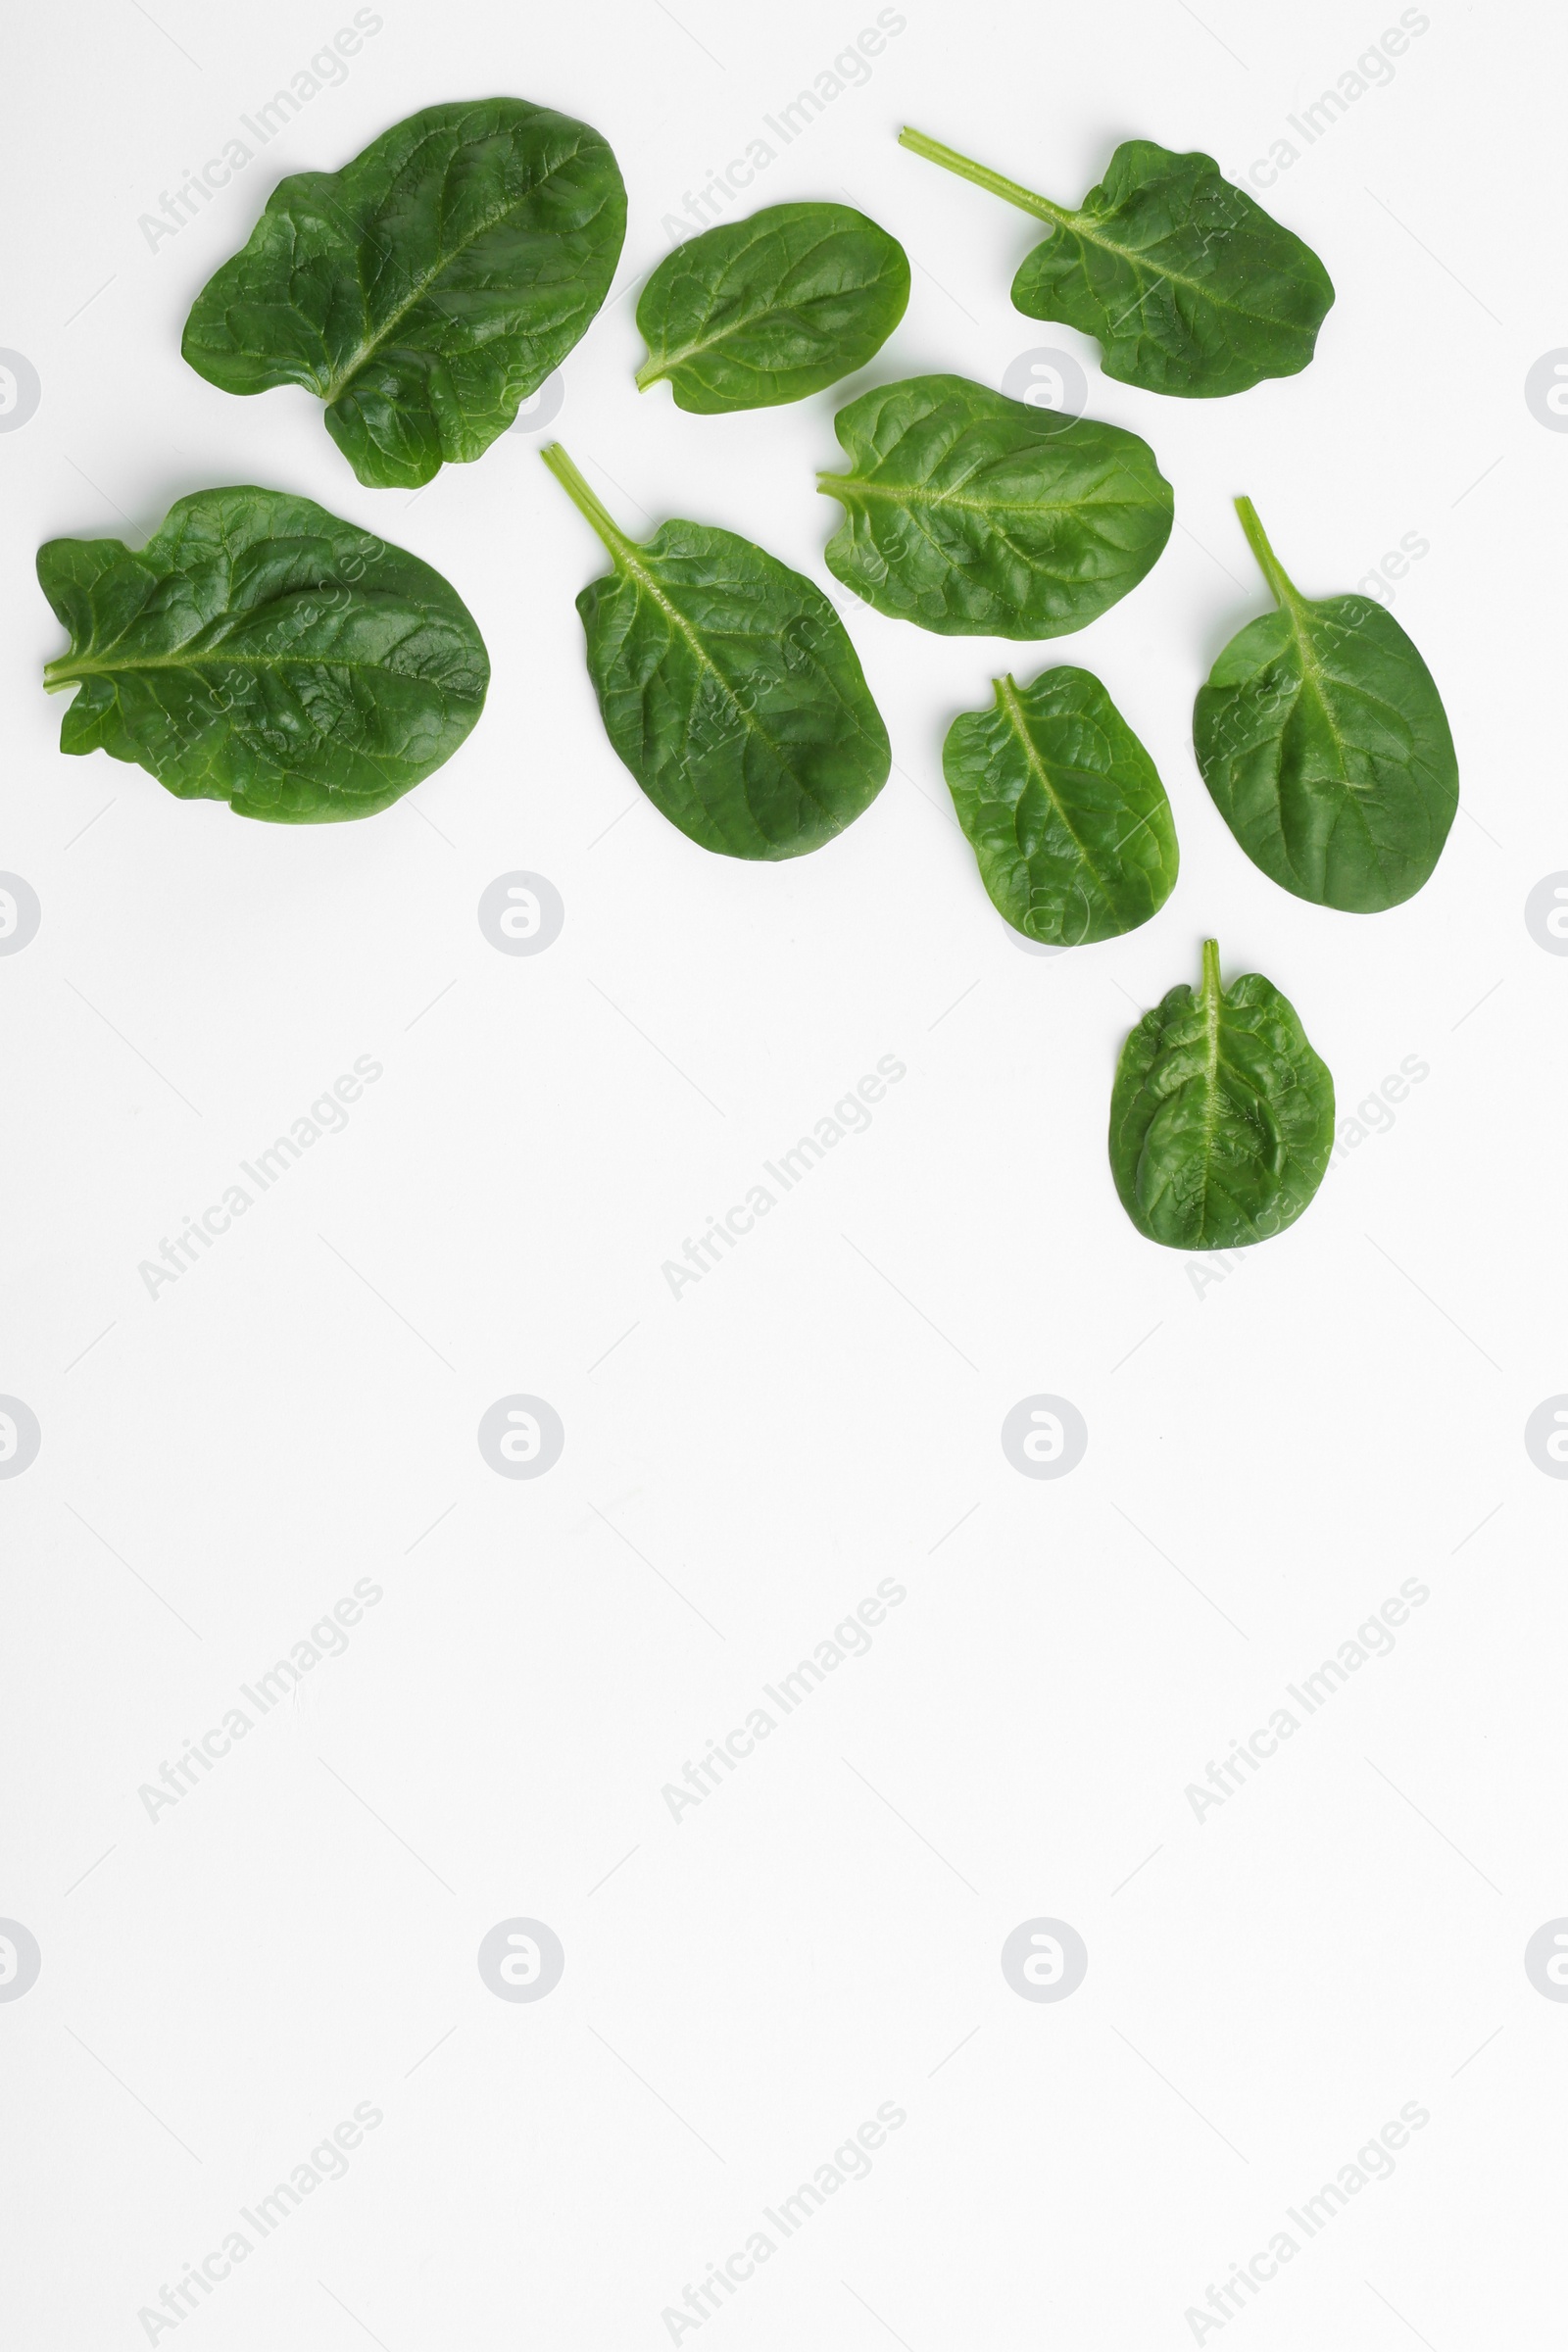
[(760, 311), (1221, 1115), (974, 514), (427, 288), (1326, 746), (259, 650), (1063, 808), (728, 686), (1187, 284)]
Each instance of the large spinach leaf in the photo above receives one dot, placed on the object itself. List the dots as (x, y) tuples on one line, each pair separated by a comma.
[(427, 288), (760, 311), (1064, 809), (262, 651), (728, 686), (1326, 746), (978, 515), (1186, 283), (1221, 1116)]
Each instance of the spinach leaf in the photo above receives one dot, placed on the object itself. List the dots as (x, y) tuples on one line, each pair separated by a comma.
[(978, 515), (262, 651), (1188, 284), (767, 310), (1221, 1116), (427, 288), (1322, 739), (1064, 809), (728, 686)]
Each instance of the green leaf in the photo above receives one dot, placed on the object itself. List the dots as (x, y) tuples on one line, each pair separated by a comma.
[(978, 515), (1185, 282), (427, 288), (728, 686), (262, 651), (1221, 1116), (767, 310), (1064, 809), (1324, 743)]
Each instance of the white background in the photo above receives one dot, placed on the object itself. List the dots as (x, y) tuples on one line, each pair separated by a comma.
[(1270, 1454)]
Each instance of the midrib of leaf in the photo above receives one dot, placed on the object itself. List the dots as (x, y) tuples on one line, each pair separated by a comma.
[(340, 379), (1011, 709), (917, 494), (622, 553), (648, 586), (1143, 270), (656, 367), (1211, 1013), (1312, 678), (70, 672), (654, 370)]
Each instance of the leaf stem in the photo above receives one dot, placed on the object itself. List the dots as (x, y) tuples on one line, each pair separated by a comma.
[(1285, 590), (1211, 987), (1008, 189), (651, 372), (592, 508)]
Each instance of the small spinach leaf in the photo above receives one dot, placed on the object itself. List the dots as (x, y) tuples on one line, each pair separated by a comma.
[(1064, 809), (728, 686), (1187, 284), (1322, 738), (427, 288), (262, 651), (974, 514), (760, 311), (1221, 1116)]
